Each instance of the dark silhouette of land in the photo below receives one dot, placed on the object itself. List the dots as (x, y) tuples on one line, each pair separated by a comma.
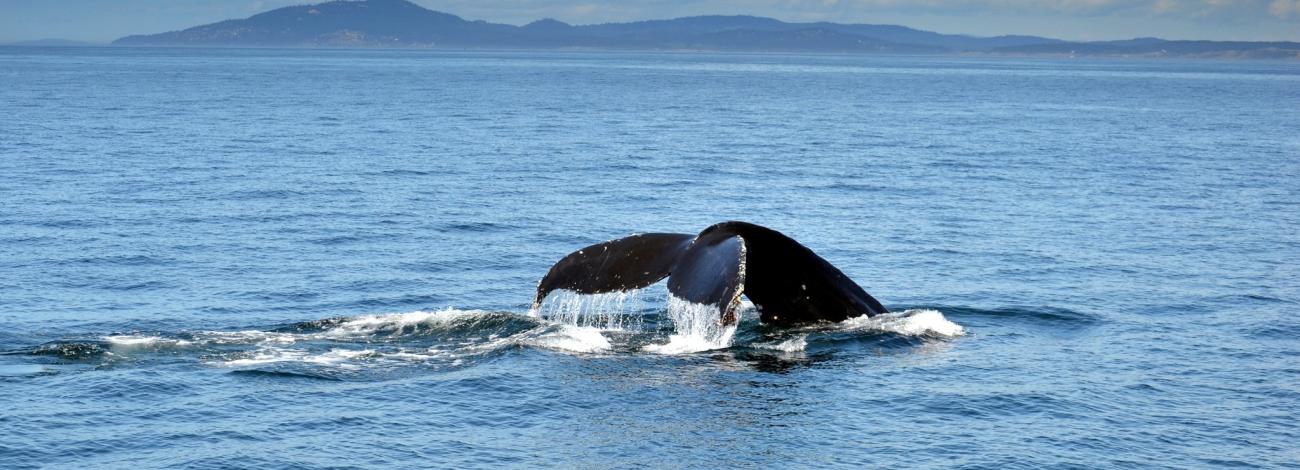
[(399, 23)]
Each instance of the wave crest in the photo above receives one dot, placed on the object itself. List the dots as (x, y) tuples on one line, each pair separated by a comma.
[(913, 322)]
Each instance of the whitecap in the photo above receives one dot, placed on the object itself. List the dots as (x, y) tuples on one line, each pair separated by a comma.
[(333, 357), (144, 341), (578, 339), (915, 322), (248, 337), (401, 322), (795, 344)]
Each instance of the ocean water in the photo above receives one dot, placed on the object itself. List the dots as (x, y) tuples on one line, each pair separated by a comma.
[(257, 258)]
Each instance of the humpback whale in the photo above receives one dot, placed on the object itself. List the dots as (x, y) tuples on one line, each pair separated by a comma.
[(786, 281)]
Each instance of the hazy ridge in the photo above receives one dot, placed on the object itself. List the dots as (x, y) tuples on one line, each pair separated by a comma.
[(399, 23)]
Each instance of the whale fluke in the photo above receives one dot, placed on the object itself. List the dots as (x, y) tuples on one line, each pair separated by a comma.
[(786, 281), (616, 265), (711, 272)]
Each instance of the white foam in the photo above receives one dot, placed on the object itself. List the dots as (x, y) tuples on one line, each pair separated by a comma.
[(427, 355), (333, 357), (917, 322), (145, 341), (350, 328), (370, 324), (579, 339), (250, 337), (279, 347), (796, 344), (699, 328)]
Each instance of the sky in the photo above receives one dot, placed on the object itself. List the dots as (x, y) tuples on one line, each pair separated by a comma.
[(1246, 20)]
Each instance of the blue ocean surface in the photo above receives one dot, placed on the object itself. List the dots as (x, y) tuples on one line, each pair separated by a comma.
[(260, 258)]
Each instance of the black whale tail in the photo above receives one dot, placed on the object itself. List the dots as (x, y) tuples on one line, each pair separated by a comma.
[(786, 281)]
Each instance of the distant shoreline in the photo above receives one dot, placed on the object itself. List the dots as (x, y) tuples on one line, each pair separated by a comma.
[(402, 24), (966, 54)]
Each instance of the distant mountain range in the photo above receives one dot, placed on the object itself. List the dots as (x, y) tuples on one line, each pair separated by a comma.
[(399, 23)]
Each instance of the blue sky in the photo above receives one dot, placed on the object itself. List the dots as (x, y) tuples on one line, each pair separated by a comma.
[(1256, 20)]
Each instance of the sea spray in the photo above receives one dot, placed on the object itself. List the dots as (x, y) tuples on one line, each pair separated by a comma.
[(607, 311), (698, 328)]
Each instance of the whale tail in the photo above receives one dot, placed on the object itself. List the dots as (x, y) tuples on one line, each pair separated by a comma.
[(786, 281)]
